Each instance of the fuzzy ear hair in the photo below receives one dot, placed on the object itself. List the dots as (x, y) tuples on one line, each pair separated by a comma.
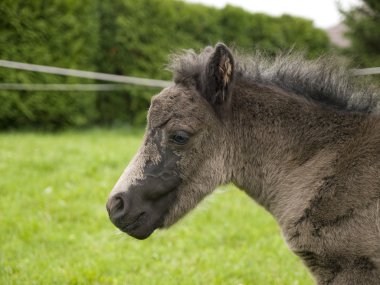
[(218, 77)]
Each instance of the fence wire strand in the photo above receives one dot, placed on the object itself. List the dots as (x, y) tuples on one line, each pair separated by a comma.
[(86, 74), (100, 76)]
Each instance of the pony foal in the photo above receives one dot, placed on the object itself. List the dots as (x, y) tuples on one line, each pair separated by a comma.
[(298, 137)]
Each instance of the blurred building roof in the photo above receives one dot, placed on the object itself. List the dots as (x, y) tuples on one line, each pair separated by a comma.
[(337, 37)]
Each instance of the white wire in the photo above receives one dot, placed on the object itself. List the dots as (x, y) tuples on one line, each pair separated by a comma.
[(62, 87), (100, 76), (366, 71), (85, 74)]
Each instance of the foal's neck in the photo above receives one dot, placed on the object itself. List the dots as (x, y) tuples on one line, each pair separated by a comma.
[(281, 140)]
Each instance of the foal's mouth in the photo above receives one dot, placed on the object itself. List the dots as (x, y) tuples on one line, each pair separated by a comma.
[(134, 224), (138, 214), (142, 227), (148, 221)]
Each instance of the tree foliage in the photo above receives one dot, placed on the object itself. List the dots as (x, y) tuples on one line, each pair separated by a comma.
[(53, 32), (364, 31), (122, 37)]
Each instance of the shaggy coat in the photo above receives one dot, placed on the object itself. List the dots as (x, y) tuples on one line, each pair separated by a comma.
[(301, 138)]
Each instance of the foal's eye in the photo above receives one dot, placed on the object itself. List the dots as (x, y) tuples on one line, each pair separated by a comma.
[(180, 137)]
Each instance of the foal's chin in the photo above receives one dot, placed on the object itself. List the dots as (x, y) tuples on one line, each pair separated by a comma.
[(142, 229), (140, 233), (147, 226)]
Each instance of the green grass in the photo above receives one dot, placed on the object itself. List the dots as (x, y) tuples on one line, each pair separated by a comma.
[(54, 227)]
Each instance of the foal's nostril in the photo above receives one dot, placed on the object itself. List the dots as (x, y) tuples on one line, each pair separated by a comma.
[(116, 206), (119, 204)]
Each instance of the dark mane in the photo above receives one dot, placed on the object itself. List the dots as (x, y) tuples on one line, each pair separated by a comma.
[(324, 80)]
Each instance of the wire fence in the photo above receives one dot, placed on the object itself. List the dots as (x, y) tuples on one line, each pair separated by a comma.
[(62, 87), (100, 76), (366, 71), (77, 73)]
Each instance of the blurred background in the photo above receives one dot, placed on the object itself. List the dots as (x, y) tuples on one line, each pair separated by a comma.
[(65, 140), (135, 38)]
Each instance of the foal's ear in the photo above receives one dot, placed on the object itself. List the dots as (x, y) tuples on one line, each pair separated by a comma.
[(217, 80)]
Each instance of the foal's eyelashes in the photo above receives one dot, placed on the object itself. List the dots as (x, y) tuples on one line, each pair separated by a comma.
[(179, 137)]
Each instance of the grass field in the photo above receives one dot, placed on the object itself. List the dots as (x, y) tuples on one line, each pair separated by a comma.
[(54, 227)]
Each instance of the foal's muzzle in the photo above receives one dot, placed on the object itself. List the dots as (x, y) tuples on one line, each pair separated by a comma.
[(130, 215), (137, 214), (140, 207)]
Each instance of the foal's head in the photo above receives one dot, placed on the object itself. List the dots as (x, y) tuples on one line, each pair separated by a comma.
[(182, 157)]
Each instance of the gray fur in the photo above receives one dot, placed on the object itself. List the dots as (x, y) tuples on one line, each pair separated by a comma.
[(325, 79), (297, 136)]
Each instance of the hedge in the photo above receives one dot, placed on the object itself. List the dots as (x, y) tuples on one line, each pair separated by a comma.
[(122, 37)]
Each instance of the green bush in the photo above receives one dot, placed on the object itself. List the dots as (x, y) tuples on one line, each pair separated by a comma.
[(121, 37), (49, 111), (137, 36), (364, 32), (59, 33)]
